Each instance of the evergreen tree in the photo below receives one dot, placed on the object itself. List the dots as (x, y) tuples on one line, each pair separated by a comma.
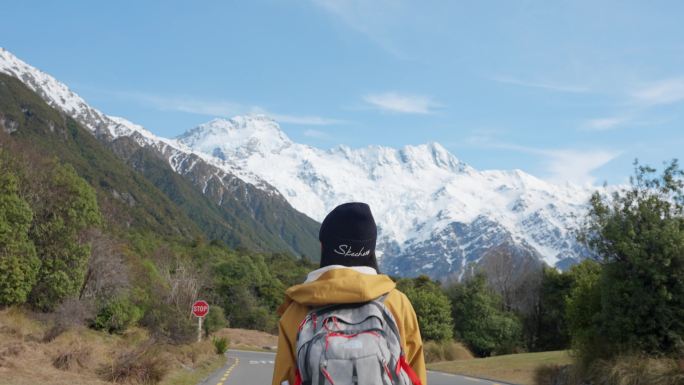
[(479, 321), (638, 234), (67, 207), (18, 261), (583, 307), (552, 330), (431, 305)]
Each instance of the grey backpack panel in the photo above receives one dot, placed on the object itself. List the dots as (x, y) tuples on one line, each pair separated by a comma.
[(350, 344)]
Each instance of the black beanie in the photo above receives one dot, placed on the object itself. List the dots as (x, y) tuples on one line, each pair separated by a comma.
[(348, 236)]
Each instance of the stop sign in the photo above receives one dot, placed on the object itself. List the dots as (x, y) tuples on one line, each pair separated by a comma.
[(200, 308)]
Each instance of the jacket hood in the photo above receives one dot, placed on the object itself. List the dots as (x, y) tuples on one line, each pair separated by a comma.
[(338, 286)]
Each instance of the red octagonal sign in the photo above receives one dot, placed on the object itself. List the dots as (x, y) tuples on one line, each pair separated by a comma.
[(200, 308)]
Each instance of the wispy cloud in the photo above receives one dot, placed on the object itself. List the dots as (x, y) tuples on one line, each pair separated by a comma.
[(666, 91), (605, 123), (577, 166), (222, 108), (562, 164), (641, 100), (402, 103), (373, 19), (551, 86)]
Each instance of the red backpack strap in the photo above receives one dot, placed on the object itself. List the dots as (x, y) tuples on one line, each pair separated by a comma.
[(409, 371), (298, 377)]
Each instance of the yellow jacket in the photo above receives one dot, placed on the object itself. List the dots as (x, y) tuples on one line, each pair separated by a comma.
[(344, 286)]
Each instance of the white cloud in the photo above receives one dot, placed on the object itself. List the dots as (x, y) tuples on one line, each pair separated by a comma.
[(576, 166), (666, 91), (606, 123), (551, 86), (402, 103), (223, 108), (562, 165), (643, 98)]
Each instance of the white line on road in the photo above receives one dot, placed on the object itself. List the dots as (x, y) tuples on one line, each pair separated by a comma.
[(262, 362)]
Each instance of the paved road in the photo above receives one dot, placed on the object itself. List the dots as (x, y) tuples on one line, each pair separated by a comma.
[(256, 368)]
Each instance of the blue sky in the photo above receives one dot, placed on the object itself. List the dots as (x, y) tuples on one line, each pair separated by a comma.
[(565, 90)]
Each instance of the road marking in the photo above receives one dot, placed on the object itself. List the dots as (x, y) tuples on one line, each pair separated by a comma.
[(472, 379), (227, 373), (261, 362)]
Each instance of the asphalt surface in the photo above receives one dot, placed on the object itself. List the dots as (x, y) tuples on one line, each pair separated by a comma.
[(256, 368)]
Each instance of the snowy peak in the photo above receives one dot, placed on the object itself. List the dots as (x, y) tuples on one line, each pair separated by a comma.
[(54, 92), (432, 154), (239, 136), (436, 214), (431, 157)]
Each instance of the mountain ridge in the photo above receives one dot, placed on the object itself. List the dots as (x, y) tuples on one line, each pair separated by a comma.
[(427, 202), (244, 214), (416, 192)]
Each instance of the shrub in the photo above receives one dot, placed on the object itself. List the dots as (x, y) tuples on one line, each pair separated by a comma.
[(67, 207), (636, 370), (117, 315), (215, 320), (638, 235), (143, 365), (454, 351), (479, 320), (555, 375), (432, 352), (220, 344), (432, 307), (445, 351), (620, 370), (18, 261), (76, 356)]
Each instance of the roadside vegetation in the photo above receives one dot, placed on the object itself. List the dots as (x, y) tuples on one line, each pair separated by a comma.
[(614, 319), (29, 354), (74, 268), (98, 282)]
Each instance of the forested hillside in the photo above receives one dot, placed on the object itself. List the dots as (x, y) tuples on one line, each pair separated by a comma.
[(87, 236)]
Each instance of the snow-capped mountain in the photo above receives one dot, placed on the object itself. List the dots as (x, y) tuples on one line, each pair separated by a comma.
[(241, 204), (436, 213), (58, 95)]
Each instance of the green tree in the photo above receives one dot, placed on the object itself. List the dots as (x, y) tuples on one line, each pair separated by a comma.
[(117, 315), (67, 207), (479, 321), (215, 320), (583, 308), (552, 329), (18, 261), (431, 305), (638, 235)]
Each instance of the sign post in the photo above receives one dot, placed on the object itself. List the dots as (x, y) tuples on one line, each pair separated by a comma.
[(200, 309)]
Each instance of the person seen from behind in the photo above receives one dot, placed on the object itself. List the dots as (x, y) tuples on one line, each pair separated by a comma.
[(347, 323)]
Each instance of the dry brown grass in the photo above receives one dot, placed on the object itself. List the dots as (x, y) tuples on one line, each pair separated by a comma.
[(250, 339), (513, 368), (626, 370), (79, 357), (74, 356), (446, 351), (638, 370), (142, 365)]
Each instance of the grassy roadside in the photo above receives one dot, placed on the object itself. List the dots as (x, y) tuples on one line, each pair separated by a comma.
[(189, 376), (81, 356), (513, 368)]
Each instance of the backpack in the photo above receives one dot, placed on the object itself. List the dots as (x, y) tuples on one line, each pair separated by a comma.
[(351, 344)]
